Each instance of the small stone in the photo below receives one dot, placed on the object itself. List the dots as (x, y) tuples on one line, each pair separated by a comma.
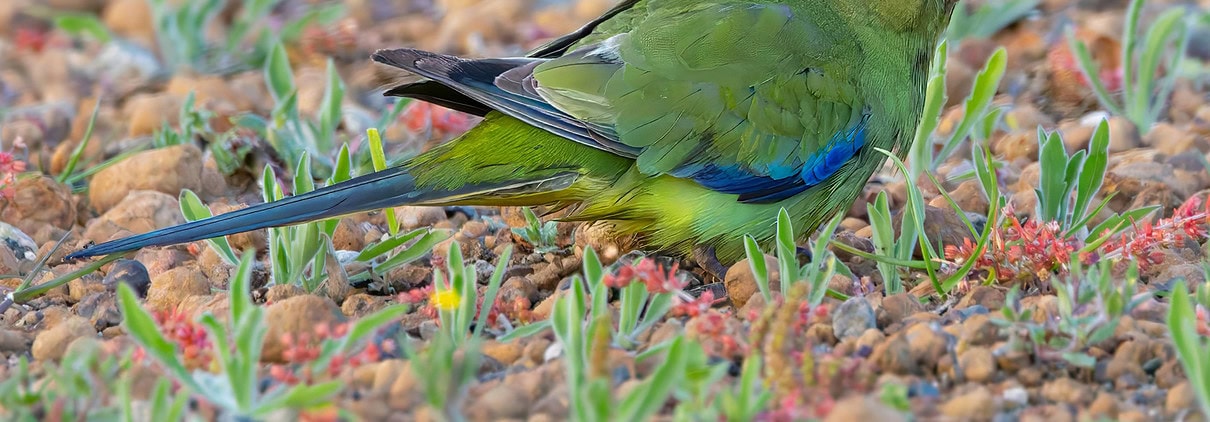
[(927, 345), (37, 202), (385, 373), (411, 217), (51, 343), (978, 364), (853, 317), (101, 309), (130, 272), (535, 351), (1133, 416), (1067, 391), (1171, 140), (170, 288), (147, 113), (1016, 395), (18, 248), (360, 305), (1127, 362), (130, 19), (255, 239), (969, 196), (975, 404), (1013, 359), (821, 334), (1021, 144), (280, 292), (870, 339), (1123, 135), (505, 353), (12, 341), (139, 212), (158, 261), (1104, 407), (1048, 413), (405, 391), (518, 288), (80, 287), (1044, 308), (1179, 399), (894, 356), (896, 308), (349, 236), (294, 317), (988, 296), (863, 408), (978, 330), (503, 401), (741, 283), (167, 170)]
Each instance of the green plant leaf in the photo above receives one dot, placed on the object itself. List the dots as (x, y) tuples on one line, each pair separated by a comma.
[(1191, 348), (278, 74), (756, 262)]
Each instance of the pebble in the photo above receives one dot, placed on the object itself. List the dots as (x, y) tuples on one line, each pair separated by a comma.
[(167, 290), (897, 308), (505, 353), (978, 364), (852, 318), (1067, 391), (296, 316), (1179, 399), (139, 212), (977, 403), (741, 283), (864, 408), (38, 202), (987, 296), (167, 170), (130, 272), (50, 344), (978, 330)]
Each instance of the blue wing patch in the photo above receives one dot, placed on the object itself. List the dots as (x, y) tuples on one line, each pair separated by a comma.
[(763, 189)]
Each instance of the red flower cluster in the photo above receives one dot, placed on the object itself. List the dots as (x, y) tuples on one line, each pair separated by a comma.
[(1036, 249), (303, 350), (1189, 220), (694, 307), (647, 272), (335, 40), (10, 166), (181, 329), (1203, 321), (711, 327), (1031, 249)]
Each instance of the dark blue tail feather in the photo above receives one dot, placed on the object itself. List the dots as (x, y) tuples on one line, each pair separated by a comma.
[(387, 188)]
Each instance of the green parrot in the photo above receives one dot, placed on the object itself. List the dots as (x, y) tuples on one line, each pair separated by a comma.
[(688, 123)]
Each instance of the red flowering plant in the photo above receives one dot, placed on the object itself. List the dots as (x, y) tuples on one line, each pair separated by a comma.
[(646, 292), (1034, 250), (232, 346), (10, 167), (1037, 249)]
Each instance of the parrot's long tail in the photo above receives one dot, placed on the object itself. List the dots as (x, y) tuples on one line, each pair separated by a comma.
[(387, 188)]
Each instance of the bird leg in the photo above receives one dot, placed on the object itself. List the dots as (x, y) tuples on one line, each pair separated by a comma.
[(705, 257)]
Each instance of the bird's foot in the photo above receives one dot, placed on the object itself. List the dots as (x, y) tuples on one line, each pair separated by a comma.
[(706, 258)]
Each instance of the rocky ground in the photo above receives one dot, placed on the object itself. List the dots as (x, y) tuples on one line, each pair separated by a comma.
[(960, 356)]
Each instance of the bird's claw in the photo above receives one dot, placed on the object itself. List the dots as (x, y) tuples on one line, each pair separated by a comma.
[(706, 258)]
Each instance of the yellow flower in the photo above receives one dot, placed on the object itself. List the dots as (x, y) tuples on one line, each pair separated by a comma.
[(445, 300)]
